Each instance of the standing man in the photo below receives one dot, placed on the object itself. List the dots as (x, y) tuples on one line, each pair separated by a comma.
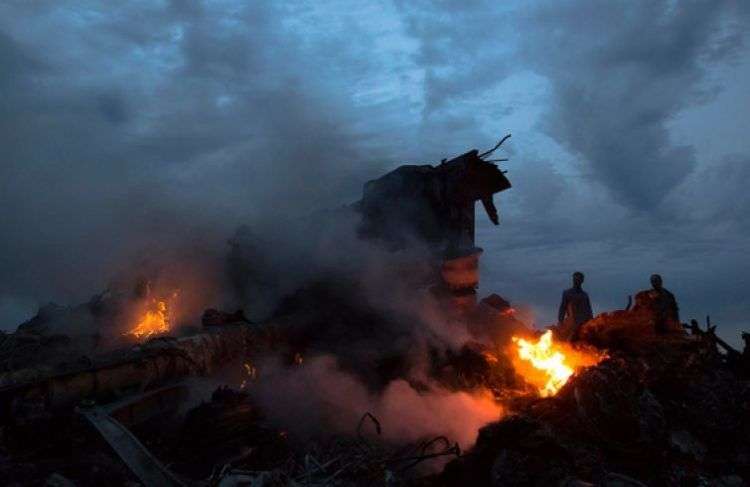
[(665, 304), (575, 309)]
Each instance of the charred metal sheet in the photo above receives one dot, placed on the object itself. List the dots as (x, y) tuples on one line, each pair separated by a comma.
[(151, 404), (136, 456), (434, 204), (144, 367)]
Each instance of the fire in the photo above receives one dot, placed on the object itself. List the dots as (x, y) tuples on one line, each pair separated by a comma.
[(548, 365), (251, 373), (154, 321)]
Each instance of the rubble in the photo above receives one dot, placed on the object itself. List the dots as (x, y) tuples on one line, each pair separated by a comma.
[(652, 406), (627, 329), (214, 317), (54, 388), (670, 413)]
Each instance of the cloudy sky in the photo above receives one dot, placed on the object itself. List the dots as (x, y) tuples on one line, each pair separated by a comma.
[(159, 121)]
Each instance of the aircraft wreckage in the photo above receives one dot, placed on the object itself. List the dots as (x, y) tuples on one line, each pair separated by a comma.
[(116, 404)]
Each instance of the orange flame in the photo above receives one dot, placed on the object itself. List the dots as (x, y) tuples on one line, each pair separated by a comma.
[(251, 374), (154, 321), (548, 365)]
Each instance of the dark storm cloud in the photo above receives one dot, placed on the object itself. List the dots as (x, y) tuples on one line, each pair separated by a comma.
[(625, 197), (112, 107), (620, 72), (138, 125), (461, 49)]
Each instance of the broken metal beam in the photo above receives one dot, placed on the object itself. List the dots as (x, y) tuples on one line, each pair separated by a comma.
[(145, 367), (136, 456)]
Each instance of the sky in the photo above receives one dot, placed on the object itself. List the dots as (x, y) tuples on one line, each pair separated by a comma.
[(132, 126)]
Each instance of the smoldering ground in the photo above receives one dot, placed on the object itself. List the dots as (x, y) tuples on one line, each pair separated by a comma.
[(361, 333), (320, 399)]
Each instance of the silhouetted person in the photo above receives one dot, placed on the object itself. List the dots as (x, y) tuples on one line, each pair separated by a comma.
[(575, 309), (665, 305)]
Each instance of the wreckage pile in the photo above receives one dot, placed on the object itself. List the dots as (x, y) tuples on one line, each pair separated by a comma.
[(111, 392), (663, 409)]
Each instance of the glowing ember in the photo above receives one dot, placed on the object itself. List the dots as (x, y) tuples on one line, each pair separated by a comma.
[(251, 374), (490, 357), (154, 321), (297, 359), (548, 365)]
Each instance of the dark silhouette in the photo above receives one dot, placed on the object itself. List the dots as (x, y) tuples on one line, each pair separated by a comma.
[(667, 311), (433, 204), (575, 309)]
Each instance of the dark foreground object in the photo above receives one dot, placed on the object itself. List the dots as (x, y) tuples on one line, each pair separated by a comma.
[(432, 204), (671, 414)]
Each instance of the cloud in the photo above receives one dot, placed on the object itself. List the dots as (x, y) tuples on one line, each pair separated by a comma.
[(143, 126), (607, 192), (619, 77), (153, 124), (618, 73)]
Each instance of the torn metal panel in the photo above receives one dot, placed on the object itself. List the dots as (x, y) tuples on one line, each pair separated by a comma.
[(151, 404), (432, 204), (144, 367), (138, 459)]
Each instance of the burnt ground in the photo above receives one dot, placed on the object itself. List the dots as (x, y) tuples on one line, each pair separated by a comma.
[(671, 413), (661, 410)]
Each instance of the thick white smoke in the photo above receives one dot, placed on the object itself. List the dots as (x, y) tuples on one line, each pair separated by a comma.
[(319, 398)]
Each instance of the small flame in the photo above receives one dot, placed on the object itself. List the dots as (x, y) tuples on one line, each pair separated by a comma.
[(154, 321), (490, 357), (552, 364), (251, 374)]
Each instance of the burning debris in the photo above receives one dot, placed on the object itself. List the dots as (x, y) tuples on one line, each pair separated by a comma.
[(154, 322), (156, 312), (553, 363), (670, 414), (371, 374), (543, 357)]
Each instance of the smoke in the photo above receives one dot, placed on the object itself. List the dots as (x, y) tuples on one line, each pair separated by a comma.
[(154, 122), (319, 397), (155, 128), (367, 327)]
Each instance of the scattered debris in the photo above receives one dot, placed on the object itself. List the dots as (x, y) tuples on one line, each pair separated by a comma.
[(213, 317), (672, 413), (635, 401), (432, 204)]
